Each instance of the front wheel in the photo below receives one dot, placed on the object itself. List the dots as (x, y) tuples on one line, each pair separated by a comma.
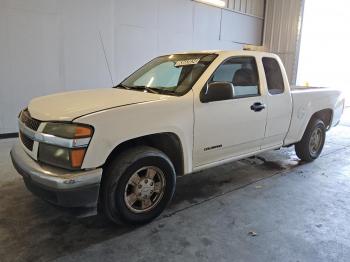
[(311, 145), (137, 186)]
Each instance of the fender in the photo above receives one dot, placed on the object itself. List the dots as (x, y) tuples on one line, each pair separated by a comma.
[(119, 125)]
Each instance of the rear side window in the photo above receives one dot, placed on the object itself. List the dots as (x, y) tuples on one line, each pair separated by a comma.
[(274, 77)]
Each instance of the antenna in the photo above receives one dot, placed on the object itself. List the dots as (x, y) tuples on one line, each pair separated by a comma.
[(105, 54)]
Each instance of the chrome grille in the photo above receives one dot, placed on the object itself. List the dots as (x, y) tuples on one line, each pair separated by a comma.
[(28, 121), (27, 142)]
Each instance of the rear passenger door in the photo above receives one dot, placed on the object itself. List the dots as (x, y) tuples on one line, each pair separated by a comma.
[(278, 98), (230, 128)]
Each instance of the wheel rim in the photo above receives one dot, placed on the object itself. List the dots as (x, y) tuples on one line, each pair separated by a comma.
[(144, 189), (315, 141)]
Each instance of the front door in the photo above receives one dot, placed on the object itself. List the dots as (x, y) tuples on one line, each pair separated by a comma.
[(230, 128)]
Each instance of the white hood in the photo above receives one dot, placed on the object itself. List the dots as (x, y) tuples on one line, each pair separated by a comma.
[(70, 105)]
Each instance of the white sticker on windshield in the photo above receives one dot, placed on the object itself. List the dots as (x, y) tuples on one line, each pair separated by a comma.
[(187, 62)]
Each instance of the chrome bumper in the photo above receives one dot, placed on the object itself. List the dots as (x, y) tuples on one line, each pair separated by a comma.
[(59, 186)]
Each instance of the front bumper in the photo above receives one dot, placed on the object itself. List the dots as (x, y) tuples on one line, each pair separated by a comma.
[(59, 186)]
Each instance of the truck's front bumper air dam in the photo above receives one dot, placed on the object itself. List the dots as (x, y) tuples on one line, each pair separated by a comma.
[(59, 186)]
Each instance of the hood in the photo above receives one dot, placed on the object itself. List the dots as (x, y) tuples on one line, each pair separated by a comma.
[(70, 105)]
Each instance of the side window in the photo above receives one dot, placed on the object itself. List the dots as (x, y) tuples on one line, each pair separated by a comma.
[(274, 77), (242, 73)]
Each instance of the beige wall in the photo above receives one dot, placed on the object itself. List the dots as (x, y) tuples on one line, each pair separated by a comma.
[(251, 7)]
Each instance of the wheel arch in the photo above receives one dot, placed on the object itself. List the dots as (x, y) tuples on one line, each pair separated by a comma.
[(169, 143), (326, 115)]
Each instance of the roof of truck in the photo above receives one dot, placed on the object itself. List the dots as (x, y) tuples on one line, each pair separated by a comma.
[(224, 52)]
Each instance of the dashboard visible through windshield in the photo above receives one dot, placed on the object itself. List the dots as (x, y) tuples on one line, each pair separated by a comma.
[(173, 75)]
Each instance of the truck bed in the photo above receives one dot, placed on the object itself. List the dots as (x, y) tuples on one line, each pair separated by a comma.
[(305, 88), (307, 100)]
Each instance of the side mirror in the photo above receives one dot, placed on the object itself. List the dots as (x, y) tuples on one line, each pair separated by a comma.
[(217, 91)]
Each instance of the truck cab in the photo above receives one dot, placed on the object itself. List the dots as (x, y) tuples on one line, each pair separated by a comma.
[(256, 116)]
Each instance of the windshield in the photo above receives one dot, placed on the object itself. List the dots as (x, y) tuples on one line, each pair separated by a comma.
[(174, 74)]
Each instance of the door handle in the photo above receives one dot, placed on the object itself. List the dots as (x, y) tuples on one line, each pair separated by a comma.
[(257, 107)]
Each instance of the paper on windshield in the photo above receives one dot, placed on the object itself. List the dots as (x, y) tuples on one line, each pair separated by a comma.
[(187, 62)]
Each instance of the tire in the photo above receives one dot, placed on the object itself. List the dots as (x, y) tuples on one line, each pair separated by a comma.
[(305, 149), (131, 176)]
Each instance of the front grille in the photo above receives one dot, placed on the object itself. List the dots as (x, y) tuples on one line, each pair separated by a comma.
[(28, 121), (27, 142)]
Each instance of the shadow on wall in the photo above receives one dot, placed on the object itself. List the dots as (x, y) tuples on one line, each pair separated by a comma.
[(55, 46)]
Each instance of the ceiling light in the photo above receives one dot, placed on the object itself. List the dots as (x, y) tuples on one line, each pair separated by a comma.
[(219, 3)]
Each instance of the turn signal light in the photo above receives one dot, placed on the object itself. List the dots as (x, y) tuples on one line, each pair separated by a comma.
[(83, 131), (77, 157)]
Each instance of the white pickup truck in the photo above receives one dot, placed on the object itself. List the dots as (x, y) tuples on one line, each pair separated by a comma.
[(122, 148)]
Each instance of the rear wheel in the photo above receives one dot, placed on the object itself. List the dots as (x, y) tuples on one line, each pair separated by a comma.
[(137, 186), (311, 145)]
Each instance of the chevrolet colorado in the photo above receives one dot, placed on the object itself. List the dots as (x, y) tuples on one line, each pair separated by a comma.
[(122, 148)]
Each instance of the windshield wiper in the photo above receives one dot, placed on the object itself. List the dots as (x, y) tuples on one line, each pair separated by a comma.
[(123, 86), (149, 89)]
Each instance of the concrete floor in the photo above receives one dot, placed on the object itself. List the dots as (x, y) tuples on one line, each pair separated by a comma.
[(300, 212)]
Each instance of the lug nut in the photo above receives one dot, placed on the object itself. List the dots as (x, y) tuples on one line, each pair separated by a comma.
[(140, 186)]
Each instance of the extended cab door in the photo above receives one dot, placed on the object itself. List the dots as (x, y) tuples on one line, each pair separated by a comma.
[(234, 127), (279, 101)]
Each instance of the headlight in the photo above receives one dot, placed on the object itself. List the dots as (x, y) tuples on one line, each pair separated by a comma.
[(71, 131), (61, 157), (64, 145)]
